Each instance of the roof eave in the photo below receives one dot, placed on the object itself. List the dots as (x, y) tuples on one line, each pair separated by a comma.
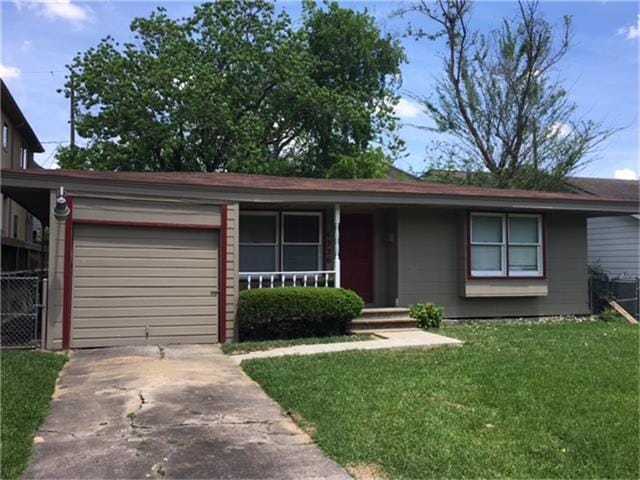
[(266, 195)]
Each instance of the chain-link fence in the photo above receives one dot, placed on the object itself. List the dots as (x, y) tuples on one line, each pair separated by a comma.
[(624, 290), (20, 315)]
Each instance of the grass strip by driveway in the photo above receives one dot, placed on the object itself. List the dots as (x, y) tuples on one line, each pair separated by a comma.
[(27, 380), (520, 401), (246, 347)]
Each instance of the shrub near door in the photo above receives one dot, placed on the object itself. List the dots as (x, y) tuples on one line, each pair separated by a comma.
[(427, 315), (296, 312)]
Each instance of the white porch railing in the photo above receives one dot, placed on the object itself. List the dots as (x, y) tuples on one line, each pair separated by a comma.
[(319, 278)]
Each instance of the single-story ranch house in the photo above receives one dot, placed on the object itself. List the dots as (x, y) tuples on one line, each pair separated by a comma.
[(161, 257)]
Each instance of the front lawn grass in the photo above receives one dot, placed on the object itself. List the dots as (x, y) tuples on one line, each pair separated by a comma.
[(27, 379), (246, 347), (520, 401)]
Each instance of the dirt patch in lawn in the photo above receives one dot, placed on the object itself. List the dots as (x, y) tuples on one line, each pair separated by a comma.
[(366, 471), (307, 427)]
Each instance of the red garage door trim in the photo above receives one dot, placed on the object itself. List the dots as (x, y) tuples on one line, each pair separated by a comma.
[(68, 264)]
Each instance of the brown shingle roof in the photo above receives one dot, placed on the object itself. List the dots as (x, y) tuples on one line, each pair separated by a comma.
[(238, 181), (626, 190)]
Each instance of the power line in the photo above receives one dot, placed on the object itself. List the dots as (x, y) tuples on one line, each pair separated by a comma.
[(45, 164), (22, 72)]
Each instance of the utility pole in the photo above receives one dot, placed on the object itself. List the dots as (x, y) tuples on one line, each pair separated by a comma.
[(72, 113)]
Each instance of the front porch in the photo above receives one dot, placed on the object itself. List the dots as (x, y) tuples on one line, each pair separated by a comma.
[(323, 246)]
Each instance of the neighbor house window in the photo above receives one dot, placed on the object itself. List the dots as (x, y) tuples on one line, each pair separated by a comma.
[(5, 136), (301, 242), (259, 242), (280, 242), (23, 157), (505, 245)]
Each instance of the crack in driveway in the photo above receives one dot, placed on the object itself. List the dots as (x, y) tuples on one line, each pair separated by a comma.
[(190, 406)]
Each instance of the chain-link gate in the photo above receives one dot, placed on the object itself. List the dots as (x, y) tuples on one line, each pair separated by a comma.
[(624, 290), (20, 316)]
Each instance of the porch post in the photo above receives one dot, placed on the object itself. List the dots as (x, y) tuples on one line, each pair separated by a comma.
[(336, 246)]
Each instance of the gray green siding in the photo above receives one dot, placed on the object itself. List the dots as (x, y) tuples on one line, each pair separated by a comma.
[(431, 253)]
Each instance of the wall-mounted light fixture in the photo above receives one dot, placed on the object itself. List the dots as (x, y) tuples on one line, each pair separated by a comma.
[(61, 210)]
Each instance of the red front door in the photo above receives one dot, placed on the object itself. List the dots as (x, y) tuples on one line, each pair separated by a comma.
[(356, 254)]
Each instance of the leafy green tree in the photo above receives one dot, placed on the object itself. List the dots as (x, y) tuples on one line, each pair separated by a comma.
[(235, 87), (510, 122)]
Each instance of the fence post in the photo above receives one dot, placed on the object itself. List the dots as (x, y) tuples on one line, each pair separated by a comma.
[(44, 313)]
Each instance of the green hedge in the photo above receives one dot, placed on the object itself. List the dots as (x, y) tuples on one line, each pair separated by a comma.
[(295, 312)]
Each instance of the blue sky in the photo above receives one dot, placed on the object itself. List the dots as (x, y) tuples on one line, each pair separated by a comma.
[(600, 71)]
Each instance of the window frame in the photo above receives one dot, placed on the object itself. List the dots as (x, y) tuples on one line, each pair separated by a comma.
[(503, 246), (280, 243), (6, 134), (506, 273), (276, 245), (317, 244), (539, 246), (24, 162)]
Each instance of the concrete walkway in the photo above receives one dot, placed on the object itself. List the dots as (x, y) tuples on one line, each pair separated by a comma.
[(163, 413), (405, 338)]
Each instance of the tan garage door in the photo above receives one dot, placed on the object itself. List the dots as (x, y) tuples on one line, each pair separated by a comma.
[(140, 285)]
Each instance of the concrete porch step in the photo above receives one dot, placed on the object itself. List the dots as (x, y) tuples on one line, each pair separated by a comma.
[(383, 313), (370, 324)]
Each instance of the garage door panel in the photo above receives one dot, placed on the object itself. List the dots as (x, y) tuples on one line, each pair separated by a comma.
[(139, 301), (162, 241), (119, 253), (109, 322), (125, 234), (128, 312), (145, 291), (144, 285), (156, 331), (82, 271), (153, 340), (154, 262), (143, 282)]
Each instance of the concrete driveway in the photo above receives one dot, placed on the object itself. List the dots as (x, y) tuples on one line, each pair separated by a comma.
[(172, 412)]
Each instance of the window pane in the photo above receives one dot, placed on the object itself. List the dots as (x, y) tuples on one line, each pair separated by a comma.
[(486, 259), (301, 228), (486, 229), (257, 229), (257, 258), (298, 258), (523, 230), (523, 259)]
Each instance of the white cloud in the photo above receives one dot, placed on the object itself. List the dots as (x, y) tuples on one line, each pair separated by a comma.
[(631, 32), (9, 72), (407, 109), (625, 174), (58, 9), (562, 129), (26, 46)]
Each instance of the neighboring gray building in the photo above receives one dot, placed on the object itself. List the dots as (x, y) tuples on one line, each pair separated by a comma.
[(613, 242), (18, 144)]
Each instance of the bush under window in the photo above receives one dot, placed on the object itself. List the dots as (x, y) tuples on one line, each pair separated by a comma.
[(427, 315), (296, 312)]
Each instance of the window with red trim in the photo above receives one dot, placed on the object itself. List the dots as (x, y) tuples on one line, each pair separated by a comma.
[(505, 245)]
